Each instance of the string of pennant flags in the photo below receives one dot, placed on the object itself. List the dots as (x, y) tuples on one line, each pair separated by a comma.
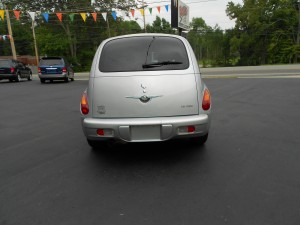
[(84, 15), (4, 37)]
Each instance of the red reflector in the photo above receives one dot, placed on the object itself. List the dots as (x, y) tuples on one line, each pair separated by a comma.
[(100, 132), (206, 100), (191, 129)]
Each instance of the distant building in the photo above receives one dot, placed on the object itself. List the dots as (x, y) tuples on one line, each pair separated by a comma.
[(26, 59)]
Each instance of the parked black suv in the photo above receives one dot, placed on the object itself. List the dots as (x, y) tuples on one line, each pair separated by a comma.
[(14, 70), (55, 68)]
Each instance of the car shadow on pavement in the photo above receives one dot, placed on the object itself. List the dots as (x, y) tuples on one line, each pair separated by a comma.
[(155, 152)]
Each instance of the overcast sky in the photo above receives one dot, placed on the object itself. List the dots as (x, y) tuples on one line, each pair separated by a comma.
[(212, 11)]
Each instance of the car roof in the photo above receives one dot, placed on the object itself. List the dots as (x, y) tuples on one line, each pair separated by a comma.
[(146, 35)]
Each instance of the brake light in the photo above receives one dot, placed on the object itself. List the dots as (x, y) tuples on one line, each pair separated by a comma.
[(100, 132), (39, 70), (191, 129), (12, 70), (206, 100), (64, 69), (84, 104)]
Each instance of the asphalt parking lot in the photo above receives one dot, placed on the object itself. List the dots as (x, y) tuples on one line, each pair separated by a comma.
[(247, 172)]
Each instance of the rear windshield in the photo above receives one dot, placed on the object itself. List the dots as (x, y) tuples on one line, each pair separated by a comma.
[(51, 62), (143, 54), (5, 63)]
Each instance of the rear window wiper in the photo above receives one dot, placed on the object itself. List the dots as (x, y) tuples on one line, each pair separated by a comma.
[(158, 64)]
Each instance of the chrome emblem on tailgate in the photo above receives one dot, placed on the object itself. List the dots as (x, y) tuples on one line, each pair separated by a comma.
[(144, 98)]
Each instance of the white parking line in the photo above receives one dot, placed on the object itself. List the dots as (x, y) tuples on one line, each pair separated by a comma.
[(272, 77), (249, 76)]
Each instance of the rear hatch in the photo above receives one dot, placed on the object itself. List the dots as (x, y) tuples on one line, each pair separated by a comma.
[(5, 66), (5, 70), (144, 96), (51, 69), (143, 76), (51, 65)]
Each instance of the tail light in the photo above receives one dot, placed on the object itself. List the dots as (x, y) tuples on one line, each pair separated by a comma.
[(12, 70), (64, 69), (84, 106), (100, 132), (39, 70), (191, 129), (206, 100)]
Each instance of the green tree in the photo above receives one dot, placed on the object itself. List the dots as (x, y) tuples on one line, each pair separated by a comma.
[(266, 31), (207, 43), (22, 34), (77, 34), (160, 26)]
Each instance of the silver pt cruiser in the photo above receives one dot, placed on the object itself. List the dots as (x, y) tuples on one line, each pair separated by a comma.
[(145, 88)]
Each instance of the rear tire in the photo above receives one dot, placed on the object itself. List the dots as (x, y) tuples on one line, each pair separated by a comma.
[(67, 79), (199, 140), (18, 79), (94, 144), (30, 77), (42, 80)]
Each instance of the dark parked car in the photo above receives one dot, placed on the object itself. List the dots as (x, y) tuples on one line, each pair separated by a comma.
[(55, 68), (14, 70)]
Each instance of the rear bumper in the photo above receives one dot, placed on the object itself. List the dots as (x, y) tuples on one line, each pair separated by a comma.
[(8, 76), (146, 129), (53, 76)]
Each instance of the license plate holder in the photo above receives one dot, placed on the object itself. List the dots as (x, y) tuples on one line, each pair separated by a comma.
[(147, 132)]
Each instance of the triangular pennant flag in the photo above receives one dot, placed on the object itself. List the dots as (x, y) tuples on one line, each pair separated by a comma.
[(59, 16), (150, 10), (121, 14), (114, 15), (132, 12), (142, 12), (46, 16), (72, 17), (158, 9), (17, 14), (2, 14), (94, 14), (167, 7), (83, 15), (104, 15), (32, 15)]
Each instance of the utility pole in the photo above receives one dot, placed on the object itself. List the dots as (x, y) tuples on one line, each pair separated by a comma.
[(12, 43), (35, 45), (144, 18), (145, 30), (298, 33), (108, 29)]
